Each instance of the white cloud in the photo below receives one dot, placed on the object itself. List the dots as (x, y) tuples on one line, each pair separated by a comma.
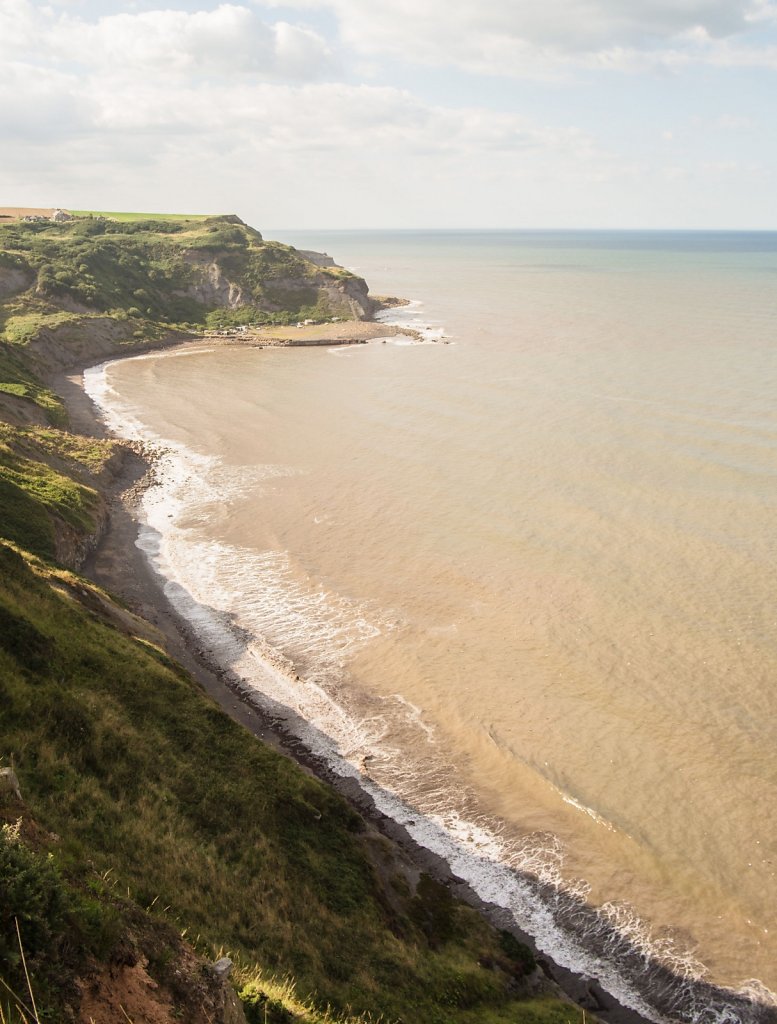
[(40, 107), (311, 147), (151, 88), (229, 109), (230, 39), (524, 37)]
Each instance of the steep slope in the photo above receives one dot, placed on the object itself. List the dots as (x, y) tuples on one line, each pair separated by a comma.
[(155, 793)]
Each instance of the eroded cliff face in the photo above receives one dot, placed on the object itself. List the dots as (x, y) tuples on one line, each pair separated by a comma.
[(320, 259), (248, 272), (296, 284), (14, 280), (355, 297), (71, 546), (211, 286), (89, 339)]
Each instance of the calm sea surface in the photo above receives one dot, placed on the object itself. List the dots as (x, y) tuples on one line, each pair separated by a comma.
[(528, 578)]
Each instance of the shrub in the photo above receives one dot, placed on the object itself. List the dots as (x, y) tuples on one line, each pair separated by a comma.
[(522, 958), (19, 638), (433, 909), (32, 894)]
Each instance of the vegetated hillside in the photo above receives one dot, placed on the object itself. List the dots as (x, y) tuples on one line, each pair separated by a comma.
[(159, 800), (115, 284), (154, 833)]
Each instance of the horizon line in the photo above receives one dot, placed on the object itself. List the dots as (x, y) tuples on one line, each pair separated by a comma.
[(719, 230)]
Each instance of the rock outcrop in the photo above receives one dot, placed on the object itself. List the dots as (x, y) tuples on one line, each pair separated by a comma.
[(211, 286), (318, 259), (9, 783), (14, 280)]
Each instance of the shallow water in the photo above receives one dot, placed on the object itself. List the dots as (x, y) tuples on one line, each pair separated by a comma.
[(526, 578)]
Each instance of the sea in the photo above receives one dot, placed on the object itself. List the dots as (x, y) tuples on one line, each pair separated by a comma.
[(516, 572)]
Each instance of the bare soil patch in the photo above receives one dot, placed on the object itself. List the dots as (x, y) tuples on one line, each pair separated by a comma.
[(15, 212)]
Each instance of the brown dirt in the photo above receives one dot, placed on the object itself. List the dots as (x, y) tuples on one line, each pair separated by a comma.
[(20, 412), (124, 994), (184, 988), (153, 976), (15, 212)]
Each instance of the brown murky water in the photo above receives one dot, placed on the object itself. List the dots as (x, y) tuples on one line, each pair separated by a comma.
[(527, 578)]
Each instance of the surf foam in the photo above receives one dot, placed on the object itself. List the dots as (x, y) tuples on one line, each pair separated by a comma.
[(411, 317)]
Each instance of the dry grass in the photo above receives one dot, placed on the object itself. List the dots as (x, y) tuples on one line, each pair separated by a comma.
[(19, 1012)]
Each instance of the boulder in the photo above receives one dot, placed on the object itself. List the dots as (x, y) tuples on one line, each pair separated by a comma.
[(9, 783), (221, 968)]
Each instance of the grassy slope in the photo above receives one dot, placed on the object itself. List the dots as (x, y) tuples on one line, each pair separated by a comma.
[(156, 794), (46, 484), (17, 379), (144, 778)]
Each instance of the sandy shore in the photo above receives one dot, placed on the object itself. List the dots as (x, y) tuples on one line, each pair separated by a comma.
[(121, 568)]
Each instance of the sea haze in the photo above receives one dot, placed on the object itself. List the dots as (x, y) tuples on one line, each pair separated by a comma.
[(526, 578)]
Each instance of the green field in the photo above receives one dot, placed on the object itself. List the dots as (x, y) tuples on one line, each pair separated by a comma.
[(126, 216)]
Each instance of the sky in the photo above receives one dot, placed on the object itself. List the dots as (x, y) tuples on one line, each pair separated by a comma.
[(395, 113)]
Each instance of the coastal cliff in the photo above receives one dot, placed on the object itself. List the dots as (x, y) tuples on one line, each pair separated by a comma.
[(92, 287), (149, 835)]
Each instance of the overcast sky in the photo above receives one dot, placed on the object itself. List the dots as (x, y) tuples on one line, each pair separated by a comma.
[(395, 113)]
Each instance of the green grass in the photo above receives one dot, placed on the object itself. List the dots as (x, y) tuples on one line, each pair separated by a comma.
[(33, 498), (124, 216), (87, 453), (37, 500), (16, 379), (121, 755), (22, 328)]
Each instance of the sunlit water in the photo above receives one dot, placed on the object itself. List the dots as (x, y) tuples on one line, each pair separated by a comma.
[(527, 578)]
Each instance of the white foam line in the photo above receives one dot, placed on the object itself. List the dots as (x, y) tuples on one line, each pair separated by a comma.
[(594, 815), (410, 317), (114, 413), (415, 714)]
